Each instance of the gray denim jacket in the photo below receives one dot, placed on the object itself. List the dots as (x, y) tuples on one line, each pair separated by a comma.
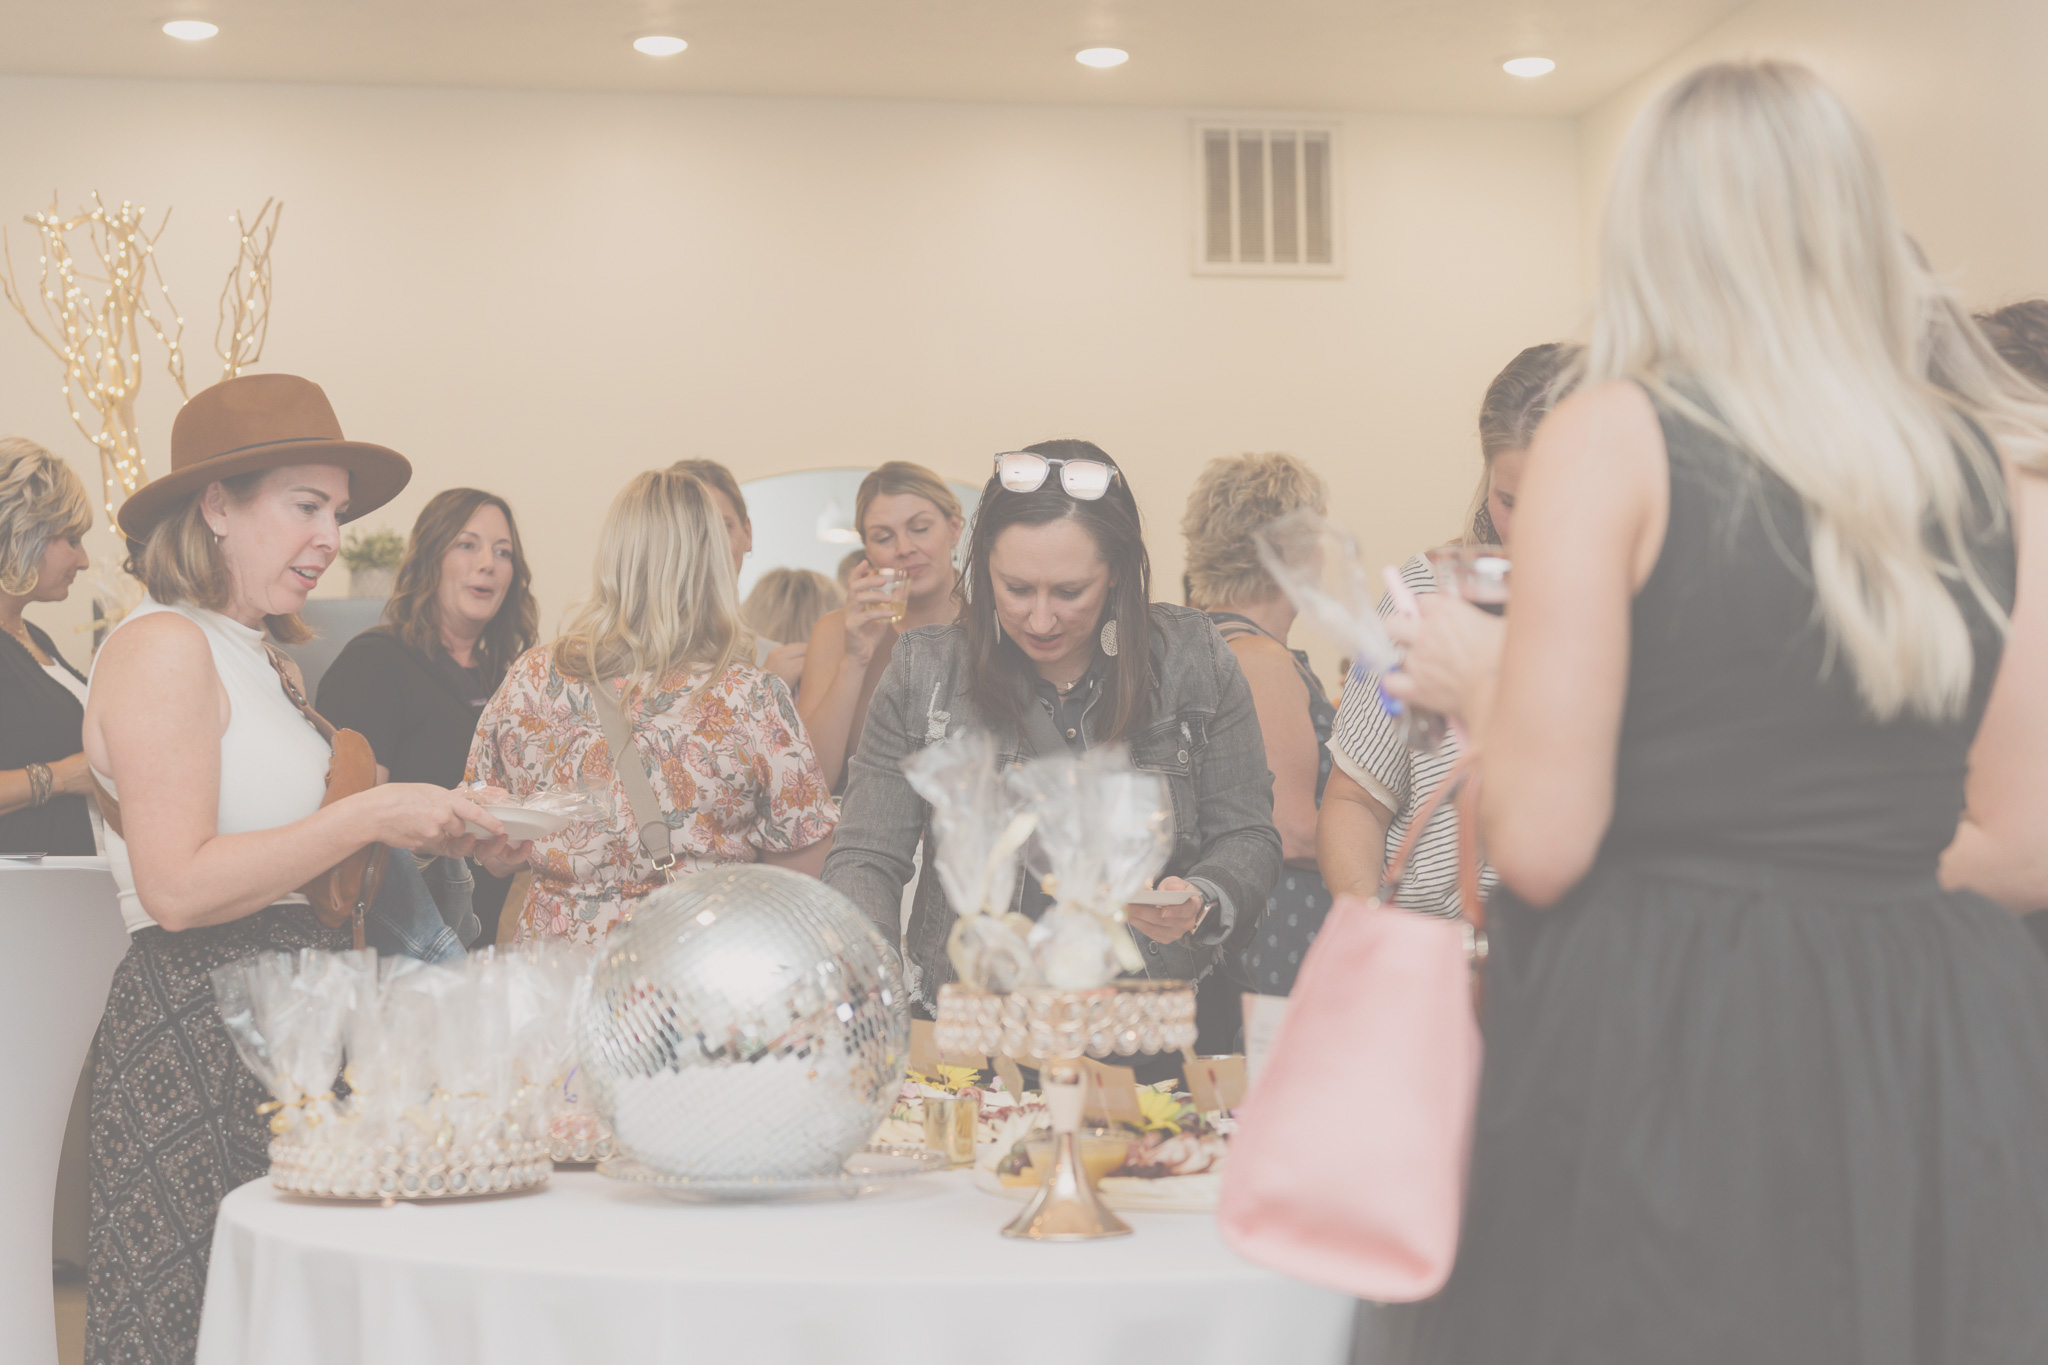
[(1198, 731)]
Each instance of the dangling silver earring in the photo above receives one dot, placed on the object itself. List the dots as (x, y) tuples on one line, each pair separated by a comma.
[(997, 621), (1109, 637)]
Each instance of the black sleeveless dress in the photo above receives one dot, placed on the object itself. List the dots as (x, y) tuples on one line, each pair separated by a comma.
[(1757, 1091)]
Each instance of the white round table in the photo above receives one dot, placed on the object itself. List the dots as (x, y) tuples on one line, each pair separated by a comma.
[(589, 1270)]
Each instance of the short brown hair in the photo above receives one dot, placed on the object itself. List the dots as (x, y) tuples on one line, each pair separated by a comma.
[(181, 561), (1233, 497), (41, 500), (719, 477), (409, 615)]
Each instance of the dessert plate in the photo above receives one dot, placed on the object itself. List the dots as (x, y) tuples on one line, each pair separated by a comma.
[(521, 823)]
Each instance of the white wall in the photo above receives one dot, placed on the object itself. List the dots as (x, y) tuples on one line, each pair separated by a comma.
[(541, 293), (1953, 95)]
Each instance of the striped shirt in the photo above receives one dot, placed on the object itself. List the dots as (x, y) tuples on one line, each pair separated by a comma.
[(1368, 746)]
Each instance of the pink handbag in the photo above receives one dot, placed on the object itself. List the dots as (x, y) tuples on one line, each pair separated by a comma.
[(1348, 1166)]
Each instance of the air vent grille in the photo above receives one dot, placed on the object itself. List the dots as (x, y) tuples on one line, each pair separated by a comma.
[(1266, 200)]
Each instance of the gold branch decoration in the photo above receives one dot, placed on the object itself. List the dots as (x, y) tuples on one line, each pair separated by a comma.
[(97, 277), (95, 301), (245, 298)]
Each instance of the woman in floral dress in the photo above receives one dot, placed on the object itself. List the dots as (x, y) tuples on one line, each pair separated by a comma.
[(719, 739)]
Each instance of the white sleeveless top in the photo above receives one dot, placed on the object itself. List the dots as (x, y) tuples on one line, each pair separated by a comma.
[(273, 763)]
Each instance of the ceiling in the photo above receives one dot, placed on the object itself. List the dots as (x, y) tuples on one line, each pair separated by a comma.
[(1435, 56)]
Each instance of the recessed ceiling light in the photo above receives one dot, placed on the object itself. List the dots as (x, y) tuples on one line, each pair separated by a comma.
[(659, 45), (1102, 56), (1528, 66), (191, 30)]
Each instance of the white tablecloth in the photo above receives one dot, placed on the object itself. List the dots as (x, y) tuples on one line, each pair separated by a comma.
[(591, 1271)]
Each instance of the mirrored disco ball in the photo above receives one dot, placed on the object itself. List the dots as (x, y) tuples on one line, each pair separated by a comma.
[(747, 1023)]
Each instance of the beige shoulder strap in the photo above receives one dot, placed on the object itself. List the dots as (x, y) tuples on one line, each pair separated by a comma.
[(632, 771), (292, 692)]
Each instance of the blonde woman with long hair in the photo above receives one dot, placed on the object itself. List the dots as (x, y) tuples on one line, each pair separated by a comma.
[(1763, 1083), (717, 738)]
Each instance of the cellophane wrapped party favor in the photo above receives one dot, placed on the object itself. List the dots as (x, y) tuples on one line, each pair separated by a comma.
[(978, 830), (1104, 831), (447, 1072)]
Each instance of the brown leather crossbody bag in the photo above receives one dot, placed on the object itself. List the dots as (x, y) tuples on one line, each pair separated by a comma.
[(342, 894)]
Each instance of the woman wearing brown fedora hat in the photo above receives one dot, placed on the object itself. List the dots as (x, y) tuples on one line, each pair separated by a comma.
[(216, 781)]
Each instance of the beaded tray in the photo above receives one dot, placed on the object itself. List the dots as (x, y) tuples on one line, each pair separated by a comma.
[(1037, 1023), (353, 1170)]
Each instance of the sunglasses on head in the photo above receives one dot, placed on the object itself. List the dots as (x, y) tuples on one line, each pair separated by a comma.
[(1023, 471)]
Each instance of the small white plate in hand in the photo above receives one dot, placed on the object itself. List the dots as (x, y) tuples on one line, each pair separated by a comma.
[(521, 824)]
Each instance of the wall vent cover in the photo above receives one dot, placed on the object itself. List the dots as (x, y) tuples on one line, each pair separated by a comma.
[(1265, 198)]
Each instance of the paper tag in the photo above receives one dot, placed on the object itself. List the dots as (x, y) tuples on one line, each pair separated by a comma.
[(1262, 1016), (1112, 1093), (1217, 1083), (924, 1046)]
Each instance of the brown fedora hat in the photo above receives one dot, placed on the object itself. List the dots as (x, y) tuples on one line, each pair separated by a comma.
[(255, 422)]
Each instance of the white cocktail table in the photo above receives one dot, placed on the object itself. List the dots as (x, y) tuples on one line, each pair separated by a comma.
[(593, 1271), (61, 925)]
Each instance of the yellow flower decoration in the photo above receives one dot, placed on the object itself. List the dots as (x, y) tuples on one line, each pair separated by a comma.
[(1162, 1112), (951, 1079)]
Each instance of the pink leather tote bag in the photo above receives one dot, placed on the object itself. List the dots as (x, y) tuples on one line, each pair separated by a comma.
[(1348, 1166)]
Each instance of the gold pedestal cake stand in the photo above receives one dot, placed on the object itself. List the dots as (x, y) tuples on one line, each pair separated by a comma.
[(1051, 1029)]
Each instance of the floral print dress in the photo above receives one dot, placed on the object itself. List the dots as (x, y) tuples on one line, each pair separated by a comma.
[(733, 770)]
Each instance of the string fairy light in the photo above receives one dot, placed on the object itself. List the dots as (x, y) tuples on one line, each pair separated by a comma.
[(246, 309), (99, 340)]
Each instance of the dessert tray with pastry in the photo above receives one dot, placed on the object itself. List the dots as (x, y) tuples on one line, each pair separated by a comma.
[(1173, 1163)]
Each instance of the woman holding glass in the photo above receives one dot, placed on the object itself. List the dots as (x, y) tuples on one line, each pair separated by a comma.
[(909, 524), (1380, 779), (1764, 1081), (1059, 645)]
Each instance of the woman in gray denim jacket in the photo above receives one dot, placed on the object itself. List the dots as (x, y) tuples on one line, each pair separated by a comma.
[(1058, 642)]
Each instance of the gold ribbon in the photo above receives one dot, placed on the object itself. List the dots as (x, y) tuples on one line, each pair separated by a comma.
[(278, 1111)]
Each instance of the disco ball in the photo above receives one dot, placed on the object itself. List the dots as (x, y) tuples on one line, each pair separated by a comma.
[(747, 1023)]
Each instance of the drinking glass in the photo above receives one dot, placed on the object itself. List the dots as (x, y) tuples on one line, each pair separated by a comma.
[(896, 584), (949, 1127), (1479, 574)]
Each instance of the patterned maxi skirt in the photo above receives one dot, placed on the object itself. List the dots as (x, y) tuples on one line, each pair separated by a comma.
[(174, 1128)]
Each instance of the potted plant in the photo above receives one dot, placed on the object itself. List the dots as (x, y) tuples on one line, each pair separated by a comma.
[(372, 558)]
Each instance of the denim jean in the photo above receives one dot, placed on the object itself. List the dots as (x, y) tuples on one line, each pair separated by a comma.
[(422, 913)]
